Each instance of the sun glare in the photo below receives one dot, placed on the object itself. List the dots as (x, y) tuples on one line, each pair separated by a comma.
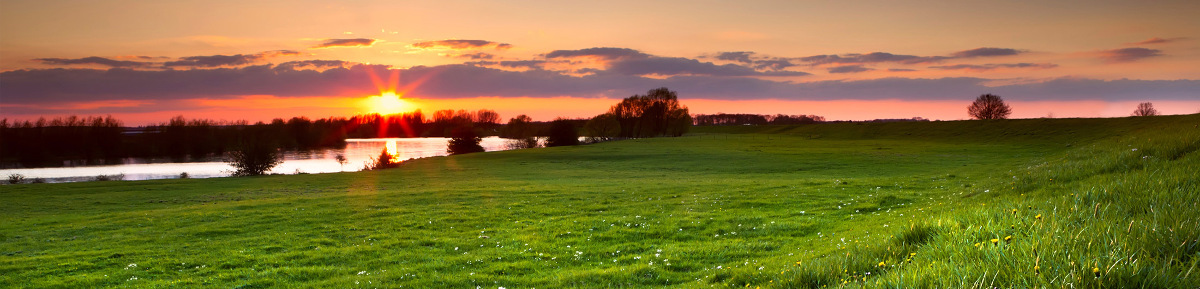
[(387, 103)]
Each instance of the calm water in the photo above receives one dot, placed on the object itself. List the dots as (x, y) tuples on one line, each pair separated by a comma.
[(358, 153)]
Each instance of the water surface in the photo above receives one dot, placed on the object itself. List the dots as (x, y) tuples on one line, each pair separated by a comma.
[(358, 153)]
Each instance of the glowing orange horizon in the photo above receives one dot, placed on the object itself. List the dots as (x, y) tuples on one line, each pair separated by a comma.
[(387, 103), (264, 108)]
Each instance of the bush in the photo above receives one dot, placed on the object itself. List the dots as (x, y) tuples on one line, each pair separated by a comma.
[(254, 159), (384, 161), (464, 140), (16, 178), (104, 178), (523, 143), (562, 133)]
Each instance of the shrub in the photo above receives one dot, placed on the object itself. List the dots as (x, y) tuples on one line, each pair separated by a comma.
[(384, 161), (254, 159), (104, 178), (562, 133), (463, 140), (16, 178), (522, 143)]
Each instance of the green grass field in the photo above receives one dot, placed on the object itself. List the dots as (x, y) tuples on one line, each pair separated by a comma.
[(1058, 203)]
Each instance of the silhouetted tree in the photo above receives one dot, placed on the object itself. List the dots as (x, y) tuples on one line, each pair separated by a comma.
[(562, 133), (603, 127), (254, 158), (520, 132), (1145, 109), (518, 127), (487, 117), (989, 106), (654, 114), (464, 140)]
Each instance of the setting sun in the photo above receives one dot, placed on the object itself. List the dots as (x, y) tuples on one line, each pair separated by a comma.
[(387, 103)]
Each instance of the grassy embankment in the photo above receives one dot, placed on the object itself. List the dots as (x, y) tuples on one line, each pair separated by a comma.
[(1082, 202)]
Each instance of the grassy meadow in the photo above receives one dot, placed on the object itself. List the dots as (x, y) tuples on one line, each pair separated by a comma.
[(1057, 203)]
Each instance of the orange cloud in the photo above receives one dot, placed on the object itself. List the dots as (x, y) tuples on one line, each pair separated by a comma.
[(350, 42), (1128, 54), (459, 44), (1156, 40)]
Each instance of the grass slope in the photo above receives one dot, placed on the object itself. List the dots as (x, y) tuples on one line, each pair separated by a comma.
[(853, 205)]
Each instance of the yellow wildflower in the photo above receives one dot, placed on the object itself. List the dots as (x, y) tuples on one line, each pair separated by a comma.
[(995, 241), (881, 264), (1008, 239), (1039, 216)]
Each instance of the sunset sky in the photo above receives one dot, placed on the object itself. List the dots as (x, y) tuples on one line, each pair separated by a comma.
[(146, 61)]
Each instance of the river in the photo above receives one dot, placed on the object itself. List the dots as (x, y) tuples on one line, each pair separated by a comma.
[(358, 152)]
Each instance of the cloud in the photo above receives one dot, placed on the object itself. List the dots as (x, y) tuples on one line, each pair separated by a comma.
[(901, 70), (627, 61), (531, 64), (991, 66), (459, 44), (672, 66), (773, 64), (605, 53), (476, 56), (874, 57), (1156, 40), (346, 42), (986, 52), (739, 56), (1128, 54), (313, 64), (849, 69), (94, 60), (22, 88), (227, 60)]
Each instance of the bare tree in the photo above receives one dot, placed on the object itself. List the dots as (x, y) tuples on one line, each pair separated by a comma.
[(989, 106), (1145, 109), (341, 160)]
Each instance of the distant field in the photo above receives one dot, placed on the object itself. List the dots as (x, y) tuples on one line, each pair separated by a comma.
[(1084, 203)]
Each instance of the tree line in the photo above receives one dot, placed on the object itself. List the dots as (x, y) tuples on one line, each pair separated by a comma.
[(755, 119), (90, 140)]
